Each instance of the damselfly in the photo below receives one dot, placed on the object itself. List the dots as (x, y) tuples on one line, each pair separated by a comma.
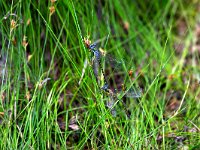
[(100, 58), (113, 95), (131, 93)]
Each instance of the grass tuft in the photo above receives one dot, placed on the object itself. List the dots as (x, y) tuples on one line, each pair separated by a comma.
[(51, 94)]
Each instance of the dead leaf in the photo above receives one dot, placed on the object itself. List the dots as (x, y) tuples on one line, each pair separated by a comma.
[(74, 127), (72, 123)]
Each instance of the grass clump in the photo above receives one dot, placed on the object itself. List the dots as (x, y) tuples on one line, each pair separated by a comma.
[(51, 80)]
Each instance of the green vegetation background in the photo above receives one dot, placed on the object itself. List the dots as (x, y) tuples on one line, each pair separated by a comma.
[(50, 100)]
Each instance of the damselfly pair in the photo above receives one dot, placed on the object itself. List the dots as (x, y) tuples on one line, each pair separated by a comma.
[(113, 94)]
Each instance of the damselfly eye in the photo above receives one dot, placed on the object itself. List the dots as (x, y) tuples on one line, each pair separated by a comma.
[(92, 46)]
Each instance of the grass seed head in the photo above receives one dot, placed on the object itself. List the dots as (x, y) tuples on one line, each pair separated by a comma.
[(28, 21), (53, 1), (52, 10), (126, 25), (13, 24), (14, 41), (24, 42)]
